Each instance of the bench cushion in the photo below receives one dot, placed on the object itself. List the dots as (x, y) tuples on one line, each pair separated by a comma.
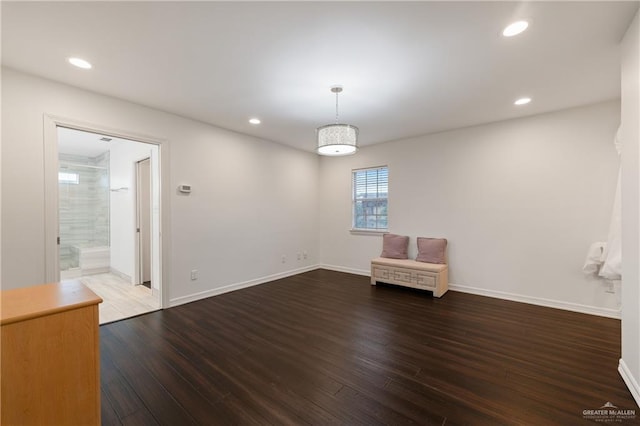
[(432, 250), (395, 246), (410, 263)]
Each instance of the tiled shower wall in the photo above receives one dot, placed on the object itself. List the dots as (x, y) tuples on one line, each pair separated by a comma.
[(83, 206)]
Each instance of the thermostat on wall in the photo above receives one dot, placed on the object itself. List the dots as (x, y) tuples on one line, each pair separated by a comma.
[(184, 188)]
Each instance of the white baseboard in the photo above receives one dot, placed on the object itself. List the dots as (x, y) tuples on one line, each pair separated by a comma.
[(574, 307), (549, 303), (96, 271), (345, 269), (122, 275), (629, 380), (237, 286)]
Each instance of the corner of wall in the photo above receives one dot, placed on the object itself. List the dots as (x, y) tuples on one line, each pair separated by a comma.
[(630, 135)]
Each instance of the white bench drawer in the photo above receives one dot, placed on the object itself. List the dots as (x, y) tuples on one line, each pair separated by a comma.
[(426, 280), (381, 273), (402, 276)]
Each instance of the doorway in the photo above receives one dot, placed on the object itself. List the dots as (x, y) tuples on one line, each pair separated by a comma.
[(105, 210)]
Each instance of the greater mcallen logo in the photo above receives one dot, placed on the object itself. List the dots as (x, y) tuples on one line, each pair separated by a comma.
[(609, 413)]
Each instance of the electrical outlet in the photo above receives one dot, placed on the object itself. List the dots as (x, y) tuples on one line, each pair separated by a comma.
[(284, 258), (194, 274), (610, 288), (299, 256), (304, 254)]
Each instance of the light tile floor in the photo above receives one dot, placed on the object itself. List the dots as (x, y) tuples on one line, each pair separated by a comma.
[(120, 298)]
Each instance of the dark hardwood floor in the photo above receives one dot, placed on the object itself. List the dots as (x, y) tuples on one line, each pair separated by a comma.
[(327, 348)]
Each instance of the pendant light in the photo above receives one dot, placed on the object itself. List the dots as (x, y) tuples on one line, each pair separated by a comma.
[(337, 139)]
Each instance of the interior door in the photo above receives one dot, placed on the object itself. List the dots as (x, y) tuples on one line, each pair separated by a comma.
[(144, 220)]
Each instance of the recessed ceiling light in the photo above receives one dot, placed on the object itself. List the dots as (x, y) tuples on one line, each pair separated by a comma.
[(80, 63), (254, 121), (515, 28), (522, 101)]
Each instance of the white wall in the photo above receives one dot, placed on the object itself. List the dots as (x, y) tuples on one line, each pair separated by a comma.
[(252, 200), (520, 201), (630, 136), (122, 211)]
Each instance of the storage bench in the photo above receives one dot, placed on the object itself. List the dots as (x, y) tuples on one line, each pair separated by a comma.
[(410, 273)]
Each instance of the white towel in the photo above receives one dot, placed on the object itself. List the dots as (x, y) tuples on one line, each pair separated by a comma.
[(594, 258), (612, 256)]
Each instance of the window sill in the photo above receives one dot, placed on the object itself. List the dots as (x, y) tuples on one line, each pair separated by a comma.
[(368, 231)]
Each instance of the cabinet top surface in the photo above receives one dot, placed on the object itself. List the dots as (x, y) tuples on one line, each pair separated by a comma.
[(31, 302)]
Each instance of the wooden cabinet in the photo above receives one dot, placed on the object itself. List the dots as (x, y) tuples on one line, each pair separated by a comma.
[(50, 355)]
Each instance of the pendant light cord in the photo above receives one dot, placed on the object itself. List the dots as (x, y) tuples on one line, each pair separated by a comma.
[(336, 107)]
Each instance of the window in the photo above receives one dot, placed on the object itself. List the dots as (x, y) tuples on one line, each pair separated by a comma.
[(66, 177), (370, 192)]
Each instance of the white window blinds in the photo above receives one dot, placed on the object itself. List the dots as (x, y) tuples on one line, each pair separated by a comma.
[(370, 193)]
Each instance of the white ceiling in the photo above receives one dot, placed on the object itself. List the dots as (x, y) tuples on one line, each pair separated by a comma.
[(407, 68)]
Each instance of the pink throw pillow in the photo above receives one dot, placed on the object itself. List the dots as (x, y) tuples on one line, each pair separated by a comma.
[(432, 250), (395, 246)]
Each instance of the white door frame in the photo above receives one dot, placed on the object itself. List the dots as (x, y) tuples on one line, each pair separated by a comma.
[(51, 225)]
